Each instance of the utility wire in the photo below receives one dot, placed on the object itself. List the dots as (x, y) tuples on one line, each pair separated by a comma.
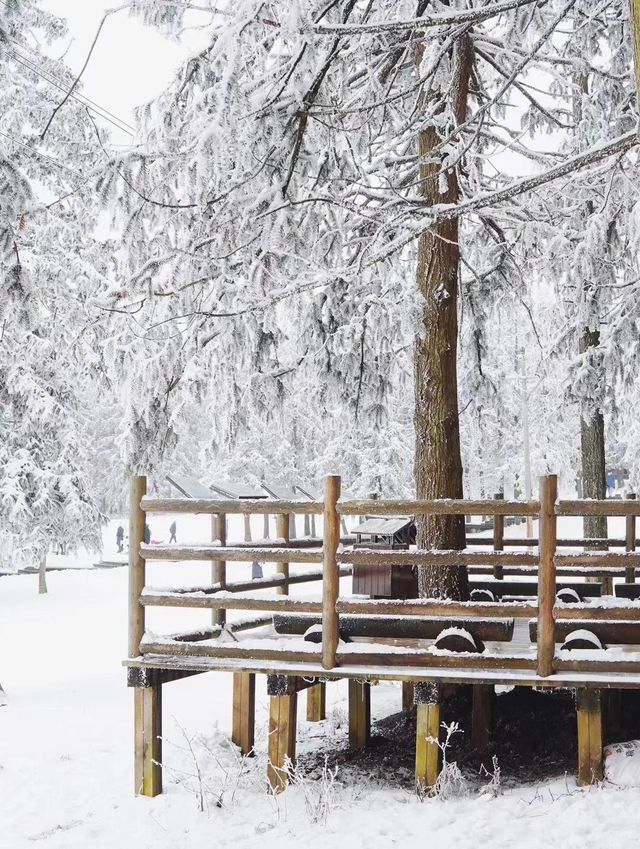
[(45, 156), (100, 111), (36, 57)]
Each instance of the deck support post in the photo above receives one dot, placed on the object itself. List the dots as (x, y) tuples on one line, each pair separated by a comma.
[(481, 714), (427, 700), (330, 572), (589, 715), (498, 537), (148, 740), (283, 705), (219, 567), (407, 696), (244, 711), (547, 575), (359, 713), (317, 702)]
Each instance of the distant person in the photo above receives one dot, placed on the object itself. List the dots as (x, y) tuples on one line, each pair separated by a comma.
[(256, 571), (172, 531), (120, 539), (147, 535)]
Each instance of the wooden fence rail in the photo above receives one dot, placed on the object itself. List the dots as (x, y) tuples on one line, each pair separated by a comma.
[(220, 596)]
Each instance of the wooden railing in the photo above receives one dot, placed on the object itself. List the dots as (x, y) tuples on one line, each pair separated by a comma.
[(223, 595)]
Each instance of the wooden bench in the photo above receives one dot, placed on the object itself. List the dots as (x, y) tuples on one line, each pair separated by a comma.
[(519, 589), (631, 591)]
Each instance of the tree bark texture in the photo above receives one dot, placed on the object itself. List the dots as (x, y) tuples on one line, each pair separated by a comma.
[(438, 464), (594, 478)]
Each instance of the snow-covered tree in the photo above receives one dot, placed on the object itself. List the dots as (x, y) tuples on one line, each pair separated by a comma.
[(47, 268)]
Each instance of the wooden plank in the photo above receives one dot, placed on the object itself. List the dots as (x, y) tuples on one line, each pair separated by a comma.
[(317, 702), (148, 740), (630, 540), (597, 612), (240, 506), (437, 607), (628, 590), (331, 574), (437, 507), (282, 568), (418, 557), (396, 626), (155, 598), (229, 651), (589, 720), (256, 584), (547, 574), (530, 588), (136, 565), (244, 709), (427, 749), (282, 739), (426, 659), (589, 507), (206, 551), (359, 714), (219, 567)]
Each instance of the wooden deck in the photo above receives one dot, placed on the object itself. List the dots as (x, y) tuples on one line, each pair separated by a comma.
[(366, 640)]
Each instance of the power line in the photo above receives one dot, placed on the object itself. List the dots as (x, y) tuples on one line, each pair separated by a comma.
[(100, 111), (38, 153)]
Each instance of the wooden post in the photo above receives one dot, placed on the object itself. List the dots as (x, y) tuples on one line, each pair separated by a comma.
[(630, 541), (247, 527), (317, 702), (148, 739), (136, 564), (589, 715), (265, 526), (359, 713), (330, 572), (282, 729), (244, 711), (547, 574), (407, 696), (427, 698), (307, 525), (283, 528), (498, 537), (313, 526), (219, 567), (481, 717), (292, 526)]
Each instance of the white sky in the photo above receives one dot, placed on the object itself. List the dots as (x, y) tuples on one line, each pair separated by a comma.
[(130, 64)]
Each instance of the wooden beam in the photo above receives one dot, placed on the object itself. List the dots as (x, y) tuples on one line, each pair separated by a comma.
[(148, 740), (427, 736), (591, 507), (589, 718), (317, 702), (359, 713), (244, 711), (331, 573), (245, 554), (136, 565), (282, 568), (158, 598), (282, 739), (436, 607), (437, 507), (427, 557), (547, 574), (215, 505)]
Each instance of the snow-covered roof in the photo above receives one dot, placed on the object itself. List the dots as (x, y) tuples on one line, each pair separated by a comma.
[(192, 488)]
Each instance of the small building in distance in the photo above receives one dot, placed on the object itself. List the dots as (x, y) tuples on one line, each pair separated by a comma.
[(392, 533)]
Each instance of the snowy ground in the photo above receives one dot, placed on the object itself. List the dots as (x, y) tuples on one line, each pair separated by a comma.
[(66, 752)]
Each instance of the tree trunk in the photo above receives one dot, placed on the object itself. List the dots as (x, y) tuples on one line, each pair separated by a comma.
[(438, 464), (594, 480), (42, 575)]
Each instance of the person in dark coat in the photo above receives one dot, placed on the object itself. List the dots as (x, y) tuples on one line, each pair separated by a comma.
[(172, 531), (120, 538), (147, 534)]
